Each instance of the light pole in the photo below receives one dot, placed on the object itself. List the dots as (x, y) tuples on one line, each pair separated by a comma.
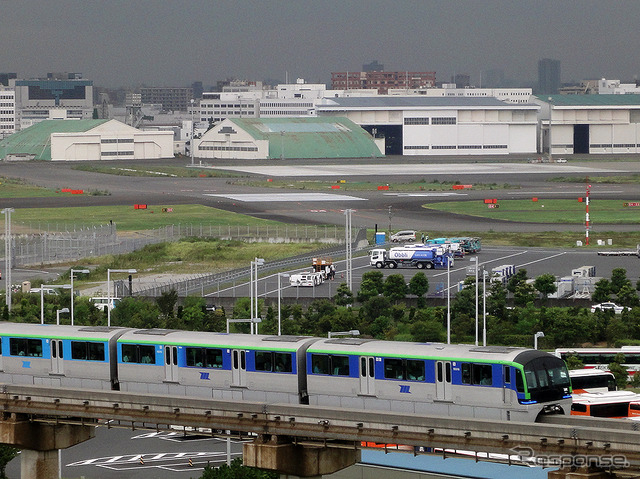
[(484, 308), (349, 248), (109, 271), (85, 271), (448, 300), (353, 332), (476, 261), (7, 255), (539, 334), (286, 275), (42, 288), (63, 310), (193, 145), (253, 285)]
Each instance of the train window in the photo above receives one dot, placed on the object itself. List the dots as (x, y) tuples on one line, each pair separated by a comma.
[(204, 357), (481, 374), (212, 358), (579, 407), (519, 382), (264, 361), (139, 353), (25, 347), (320, 363), (393, 369), (283, 362), (448, 372), (235, 360), (439, 367), (147, 354), (340, 365), (415, 370), (634, 406), (371, 368), (507, 374), (363, 367), (167, 355), (87, 351), (60, 355), (466, 373), (243, 360)]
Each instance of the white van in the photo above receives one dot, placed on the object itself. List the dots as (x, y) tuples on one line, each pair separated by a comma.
[(103, 302), (44, 290)]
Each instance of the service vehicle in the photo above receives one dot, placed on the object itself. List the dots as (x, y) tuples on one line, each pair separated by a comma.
[(609, 307), (403, 236), (591, 381), (324, 266), (307, 278), (413, 256), (612, 404), (103, 303)]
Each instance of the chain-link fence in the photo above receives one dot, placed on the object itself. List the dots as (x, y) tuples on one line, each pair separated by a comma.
[(76, 243), (200, 284)]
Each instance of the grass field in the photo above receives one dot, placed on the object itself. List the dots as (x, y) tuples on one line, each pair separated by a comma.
[(129, 219), (15, 188), (546, 211)]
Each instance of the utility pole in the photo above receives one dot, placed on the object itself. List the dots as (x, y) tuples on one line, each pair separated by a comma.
[(349, 246), (7, 255)]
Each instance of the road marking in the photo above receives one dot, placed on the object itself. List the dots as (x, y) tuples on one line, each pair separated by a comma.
[(426, 194), (281, 197)]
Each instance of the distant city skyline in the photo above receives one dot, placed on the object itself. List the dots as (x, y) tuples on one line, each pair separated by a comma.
[(129, 43)]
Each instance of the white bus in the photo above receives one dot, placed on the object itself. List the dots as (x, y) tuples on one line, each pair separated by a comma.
[(600, 358)]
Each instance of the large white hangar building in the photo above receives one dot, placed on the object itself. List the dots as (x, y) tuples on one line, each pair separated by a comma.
[(442, 126), (589, 124), (87, 140)]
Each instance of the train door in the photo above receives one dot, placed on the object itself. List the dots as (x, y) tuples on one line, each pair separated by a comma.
[(238, 367), (443, 381), (57, 366), (367, 375), (506, 384), (171, 363)]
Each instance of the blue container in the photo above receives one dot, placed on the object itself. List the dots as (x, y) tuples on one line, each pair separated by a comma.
[(381, 237)]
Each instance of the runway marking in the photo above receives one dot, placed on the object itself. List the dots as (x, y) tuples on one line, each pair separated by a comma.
[(279, 197), (426, 194), (167, 461)]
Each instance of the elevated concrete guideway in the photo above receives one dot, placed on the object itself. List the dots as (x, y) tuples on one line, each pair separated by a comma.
[(308, 441)]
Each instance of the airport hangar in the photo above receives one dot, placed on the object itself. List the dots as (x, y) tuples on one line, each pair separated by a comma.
[(280, 138), (75, 140), (439, 126), (589, 124)]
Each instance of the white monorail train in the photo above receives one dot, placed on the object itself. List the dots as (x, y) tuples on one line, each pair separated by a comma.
[(423, 378)]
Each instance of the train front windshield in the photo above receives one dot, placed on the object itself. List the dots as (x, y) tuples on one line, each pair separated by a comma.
[(547, 379)]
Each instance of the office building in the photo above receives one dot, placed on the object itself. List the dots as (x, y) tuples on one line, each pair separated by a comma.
[(548, 76)]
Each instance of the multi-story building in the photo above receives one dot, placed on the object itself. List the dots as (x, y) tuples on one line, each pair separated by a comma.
[(171, 98), (38, 100), (615, 87), (382, 80), (7, 112), (510, 95), (548, 76), (5, 77)]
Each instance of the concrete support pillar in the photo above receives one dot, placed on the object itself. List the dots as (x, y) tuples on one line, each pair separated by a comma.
[(40, 443), (40, 464), (580, 473), (278, 453)]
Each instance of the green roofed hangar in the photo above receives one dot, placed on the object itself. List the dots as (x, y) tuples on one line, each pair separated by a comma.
[(279, 138), (78, 140)]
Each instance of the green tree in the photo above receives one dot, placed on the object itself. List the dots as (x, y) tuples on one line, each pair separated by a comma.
[(368, 289), (524, 294), (627, 296), (419, 286), (377, 279), (516, 280), (545, 284), (167, 303), (574, 362), (136, 313), (395, 287), (343, 296), (497, 300), (602, 291), (619, 280), (7, 453), (619, 371), (237, 471)]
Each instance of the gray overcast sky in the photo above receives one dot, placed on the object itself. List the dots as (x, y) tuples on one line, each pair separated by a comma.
[(173, 43)]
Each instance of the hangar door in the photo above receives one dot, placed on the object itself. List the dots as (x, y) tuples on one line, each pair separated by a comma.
[(392, 137), (580, 139)]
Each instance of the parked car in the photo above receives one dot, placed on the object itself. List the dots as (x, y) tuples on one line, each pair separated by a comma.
[(609, 307), (402, 236)]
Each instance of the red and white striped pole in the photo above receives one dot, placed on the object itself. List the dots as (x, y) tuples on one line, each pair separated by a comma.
[(587, 214)]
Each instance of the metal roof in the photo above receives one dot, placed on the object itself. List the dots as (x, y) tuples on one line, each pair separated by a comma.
[(415, 102), (36, 140), (590, 100), (311, 137)]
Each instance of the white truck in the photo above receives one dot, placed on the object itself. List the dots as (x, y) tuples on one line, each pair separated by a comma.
[(413, 256), (306, 278)]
